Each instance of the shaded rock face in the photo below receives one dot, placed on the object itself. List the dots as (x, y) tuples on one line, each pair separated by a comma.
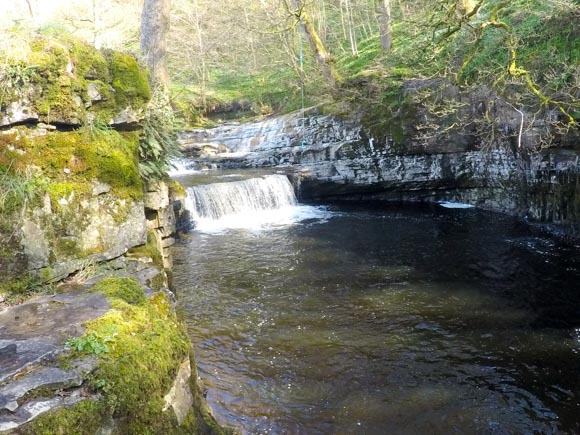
[(341, 160), (161, 204), (90, 232)]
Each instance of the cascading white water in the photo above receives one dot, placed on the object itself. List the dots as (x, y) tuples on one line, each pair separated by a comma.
[(182, 167), (252, 203), (217, 200)]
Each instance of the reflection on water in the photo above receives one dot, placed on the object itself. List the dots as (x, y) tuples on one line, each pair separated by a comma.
[(386, 321)]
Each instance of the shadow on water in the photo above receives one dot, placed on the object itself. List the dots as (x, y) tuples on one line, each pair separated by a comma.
[(386, 320)]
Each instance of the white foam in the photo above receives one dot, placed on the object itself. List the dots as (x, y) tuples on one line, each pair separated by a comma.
[(457, 205), (263, 220), (182, 167)]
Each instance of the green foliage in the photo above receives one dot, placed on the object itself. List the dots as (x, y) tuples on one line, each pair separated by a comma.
[(158, 144), (369, 54), (547, 35), (91, 344), (18, 188), (24, 286)]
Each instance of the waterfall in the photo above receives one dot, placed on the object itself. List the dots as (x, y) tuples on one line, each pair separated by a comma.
[(252, 203), (183, 167)]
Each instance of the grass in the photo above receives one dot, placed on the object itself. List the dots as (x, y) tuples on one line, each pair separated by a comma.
[(18, 187), (243, 95), (548, 40)]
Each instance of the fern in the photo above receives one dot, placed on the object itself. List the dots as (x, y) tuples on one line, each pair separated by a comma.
[(158, 145)]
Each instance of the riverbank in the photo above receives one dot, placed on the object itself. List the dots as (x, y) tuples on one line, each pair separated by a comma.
[(90, 341)]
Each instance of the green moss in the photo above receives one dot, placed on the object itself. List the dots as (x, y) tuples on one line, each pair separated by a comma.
[(158, 282), (90, 64), (85, 417), (391, 118), (146, 345), (149, 250), (61, 68), (51, 60), (125, 289), (88, 154), (141, 366), (130, 81), (176, 189), (72, 160), (22, 288), (59, 191), (17, 286), (67, 247)]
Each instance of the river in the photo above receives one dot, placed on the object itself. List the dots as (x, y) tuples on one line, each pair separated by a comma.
[(352, 318)]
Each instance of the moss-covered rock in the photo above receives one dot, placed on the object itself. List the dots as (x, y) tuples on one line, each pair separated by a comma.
[(146, 345), (68, 82), (70, 195)]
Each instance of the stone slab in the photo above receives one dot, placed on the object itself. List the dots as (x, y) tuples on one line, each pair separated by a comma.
[(179, 397), (57, 317), (30, 410), (45, 377)]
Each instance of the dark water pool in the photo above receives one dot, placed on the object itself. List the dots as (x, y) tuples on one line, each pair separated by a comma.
[(386, 321)]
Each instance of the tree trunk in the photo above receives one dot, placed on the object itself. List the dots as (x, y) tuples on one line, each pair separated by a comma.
[(385, 25), (30, 9), (351, 32), (154, 28), (200, 43), (322, 55), (96, 25)]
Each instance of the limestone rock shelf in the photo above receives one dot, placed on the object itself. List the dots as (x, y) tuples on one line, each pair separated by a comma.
[(342, 160)]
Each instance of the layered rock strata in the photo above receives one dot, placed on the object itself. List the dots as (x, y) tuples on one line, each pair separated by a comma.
[(334, 159)]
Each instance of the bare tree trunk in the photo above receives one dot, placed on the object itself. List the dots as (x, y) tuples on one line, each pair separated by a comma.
[(251, 40), (323, 22), (343, 21), (96, 25), (30, 9), (154, 28), (324, 59), (351, 32), (385, 25), (201, 46)]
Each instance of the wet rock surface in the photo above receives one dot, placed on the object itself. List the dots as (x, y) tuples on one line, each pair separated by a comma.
[(332, 159), (32, 336)]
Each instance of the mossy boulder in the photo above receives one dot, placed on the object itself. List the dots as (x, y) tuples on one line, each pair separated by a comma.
[(133, 367), (73, 195), (67, 82)]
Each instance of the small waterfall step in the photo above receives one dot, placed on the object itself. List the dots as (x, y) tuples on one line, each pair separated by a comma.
[(218, 200)]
